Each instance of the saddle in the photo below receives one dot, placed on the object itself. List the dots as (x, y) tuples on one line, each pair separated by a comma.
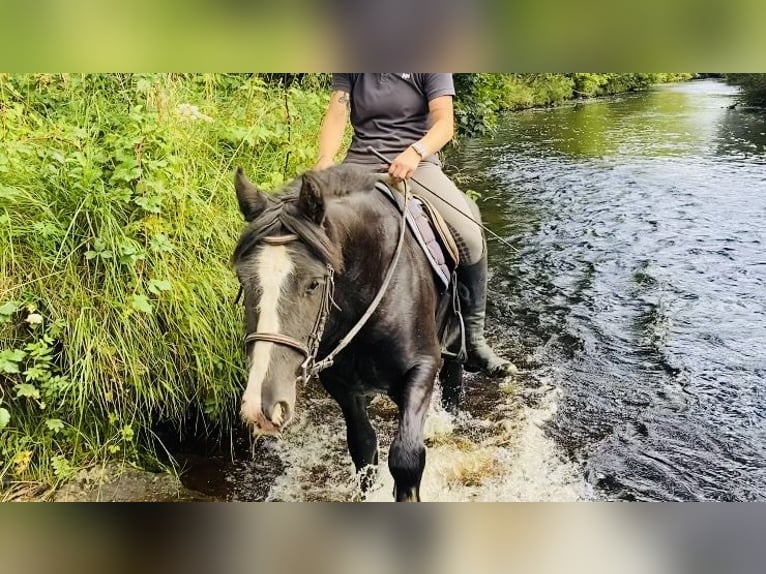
[(431, 232), (435, 238)]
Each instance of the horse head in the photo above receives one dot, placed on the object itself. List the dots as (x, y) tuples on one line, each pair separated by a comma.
[(285, 262)]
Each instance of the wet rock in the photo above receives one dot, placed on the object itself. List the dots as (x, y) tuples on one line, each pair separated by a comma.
[(119, 484)]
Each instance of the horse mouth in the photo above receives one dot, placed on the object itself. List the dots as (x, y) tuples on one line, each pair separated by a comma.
[(271, 425), (279, 414)]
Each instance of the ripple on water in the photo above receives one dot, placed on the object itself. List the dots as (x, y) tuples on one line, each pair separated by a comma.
[(633, 300), (640, 278)]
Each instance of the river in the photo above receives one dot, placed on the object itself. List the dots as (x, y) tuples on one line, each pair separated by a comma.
[(632, 302)]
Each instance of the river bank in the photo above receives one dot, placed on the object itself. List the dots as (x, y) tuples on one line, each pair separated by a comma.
[(482, 98), (110, 482)]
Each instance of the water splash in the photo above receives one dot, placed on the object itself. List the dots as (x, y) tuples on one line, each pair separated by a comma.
[(500, 454)]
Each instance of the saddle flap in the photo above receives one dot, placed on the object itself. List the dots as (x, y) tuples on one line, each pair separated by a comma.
[(430, 231), (442, 230)]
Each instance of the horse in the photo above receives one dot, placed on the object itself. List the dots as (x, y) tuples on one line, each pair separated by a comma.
[(311, 262)]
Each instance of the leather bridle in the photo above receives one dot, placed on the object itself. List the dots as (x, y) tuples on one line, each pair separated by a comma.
[(310, 350), (310, 366)]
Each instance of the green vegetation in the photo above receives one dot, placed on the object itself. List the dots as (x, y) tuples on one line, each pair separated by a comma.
[(753, 88), (482, 97), (117, 220)]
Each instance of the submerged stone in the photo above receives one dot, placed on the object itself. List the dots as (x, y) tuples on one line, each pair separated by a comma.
[(116, 484)]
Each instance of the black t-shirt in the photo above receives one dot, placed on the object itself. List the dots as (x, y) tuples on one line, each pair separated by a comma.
[(390, 111)]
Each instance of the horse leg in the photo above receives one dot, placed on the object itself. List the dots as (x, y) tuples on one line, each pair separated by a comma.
[(451, 378), (407, 456), (361, 438)]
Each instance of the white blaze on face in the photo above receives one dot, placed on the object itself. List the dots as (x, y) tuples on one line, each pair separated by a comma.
[(273, 266)]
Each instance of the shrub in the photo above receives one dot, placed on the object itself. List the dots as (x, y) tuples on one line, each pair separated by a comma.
[(117, 220)]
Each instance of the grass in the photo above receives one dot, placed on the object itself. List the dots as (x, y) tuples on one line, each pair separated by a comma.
[(117, 220)]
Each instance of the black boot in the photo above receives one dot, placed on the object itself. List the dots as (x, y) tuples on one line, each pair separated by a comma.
[(472, 287)]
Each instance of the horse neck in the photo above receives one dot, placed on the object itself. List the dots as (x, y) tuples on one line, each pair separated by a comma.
[(366, 230)]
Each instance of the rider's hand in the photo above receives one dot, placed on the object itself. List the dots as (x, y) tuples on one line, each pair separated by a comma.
[(404, 165), (323, 163)]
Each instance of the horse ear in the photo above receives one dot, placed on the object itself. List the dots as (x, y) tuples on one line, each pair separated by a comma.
[(311, 200), (252, 202)]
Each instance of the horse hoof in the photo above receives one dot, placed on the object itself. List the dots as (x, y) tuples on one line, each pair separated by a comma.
[(407, 495), (504, 369)]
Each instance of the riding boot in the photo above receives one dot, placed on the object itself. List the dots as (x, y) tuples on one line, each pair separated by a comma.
[(472, 288)]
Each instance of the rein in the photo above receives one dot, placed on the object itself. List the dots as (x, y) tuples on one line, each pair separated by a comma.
[(310, 366)]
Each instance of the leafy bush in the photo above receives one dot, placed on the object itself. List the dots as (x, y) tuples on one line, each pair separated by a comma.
[(117, 220), (753, 88)]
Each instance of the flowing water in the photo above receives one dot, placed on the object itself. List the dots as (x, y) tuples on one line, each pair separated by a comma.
[(633, 302)]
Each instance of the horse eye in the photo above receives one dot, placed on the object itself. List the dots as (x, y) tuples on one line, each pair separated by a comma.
[(313, 286)]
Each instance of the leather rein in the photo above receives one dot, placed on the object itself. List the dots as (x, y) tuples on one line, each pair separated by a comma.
[(311, 366)]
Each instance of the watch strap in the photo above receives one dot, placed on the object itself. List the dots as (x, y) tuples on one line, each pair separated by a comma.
[(419, 149)]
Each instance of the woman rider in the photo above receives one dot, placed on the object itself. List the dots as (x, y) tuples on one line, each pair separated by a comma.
[(409, 117)]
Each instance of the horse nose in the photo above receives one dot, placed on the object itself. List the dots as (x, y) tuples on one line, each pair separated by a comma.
[(250, 411)]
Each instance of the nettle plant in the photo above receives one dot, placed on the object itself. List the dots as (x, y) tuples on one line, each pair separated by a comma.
[(41, 408), (33, 388)]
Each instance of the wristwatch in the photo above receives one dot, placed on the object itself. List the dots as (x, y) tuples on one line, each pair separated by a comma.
[(419, 149)]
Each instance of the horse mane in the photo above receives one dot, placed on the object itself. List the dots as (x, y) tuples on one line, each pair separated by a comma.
[(344, 179), (283, 214)]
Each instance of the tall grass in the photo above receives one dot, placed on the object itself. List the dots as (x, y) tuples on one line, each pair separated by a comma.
[(117, 220)]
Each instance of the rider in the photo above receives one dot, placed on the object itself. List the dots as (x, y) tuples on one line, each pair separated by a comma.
[(409, 118)]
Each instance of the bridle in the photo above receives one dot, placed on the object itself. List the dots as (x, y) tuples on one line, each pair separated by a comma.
[(309, 350), (310, 366)]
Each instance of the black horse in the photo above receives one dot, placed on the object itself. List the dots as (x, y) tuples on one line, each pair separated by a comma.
[(311, 262)]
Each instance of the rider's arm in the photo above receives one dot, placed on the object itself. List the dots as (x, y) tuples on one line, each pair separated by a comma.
[(441, 115), (333, 128), (440, 112)]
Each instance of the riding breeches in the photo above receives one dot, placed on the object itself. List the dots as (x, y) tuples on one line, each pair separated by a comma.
[(455, 207)]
